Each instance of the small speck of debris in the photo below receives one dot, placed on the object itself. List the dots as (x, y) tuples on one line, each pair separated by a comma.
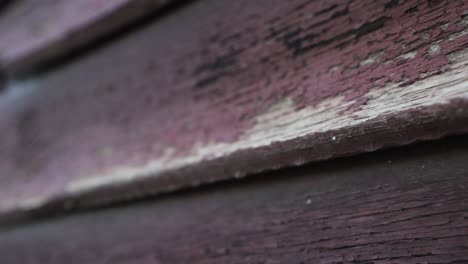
[(444, 26), (308, 201), (423, 166), (389, 161), (237, 174), (334, 138)]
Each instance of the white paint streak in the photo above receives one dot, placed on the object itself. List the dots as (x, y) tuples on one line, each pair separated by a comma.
[(433, 50), (459, 34), (409, 55), (373, 58), (283, 122)]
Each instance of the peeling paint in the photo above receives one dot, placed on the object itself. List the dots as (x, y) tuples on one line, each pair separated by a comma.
[(373, 58), (409, 55), (433, 50), (179, 95)]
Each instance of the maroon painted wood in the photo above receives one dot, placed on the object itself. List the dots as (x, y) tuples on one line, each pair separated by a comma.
[(406, 205), (225, 89)]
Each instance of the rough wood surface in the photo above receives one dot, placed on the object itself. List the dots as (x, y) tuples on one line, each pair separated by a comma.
[(400, 206), (33, 32), (223, 89)]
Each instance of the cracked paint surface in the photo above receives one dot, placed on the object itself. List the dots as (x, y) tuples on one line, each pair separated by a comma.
[(204, 76)]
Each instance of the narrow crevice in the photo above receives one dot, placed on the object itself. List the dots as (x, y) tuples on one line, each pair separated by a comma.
[(3, 80), (61, 207)]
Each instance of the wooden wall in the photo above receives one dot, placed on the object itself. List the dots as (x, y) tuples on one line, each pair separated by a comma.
[(406, 205), (224, 89), (209, 132)]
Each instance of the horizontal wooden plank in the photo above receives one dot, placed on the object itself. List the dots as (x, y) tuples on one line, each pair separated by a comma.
[(400, 206), (224, 89), (35, 32)]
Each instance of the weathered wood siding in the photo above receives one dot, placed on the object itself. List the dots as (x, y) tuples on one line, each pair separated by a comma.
[(35, 32), (223, 89), (401, 206)]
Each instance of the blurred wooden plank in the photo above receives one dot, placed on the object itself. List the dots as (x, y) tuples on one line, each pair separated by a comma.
[(224, 89), (34, 32), (401, 206)]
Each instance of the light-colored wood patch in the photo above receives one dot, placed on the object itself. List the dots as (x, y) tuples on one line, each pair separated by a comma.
[(283, 123)]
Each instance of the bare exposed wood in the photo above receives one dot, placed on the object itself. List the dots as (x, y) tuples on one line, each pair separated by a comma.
[(34, 32), (224, 89), (400, 206)]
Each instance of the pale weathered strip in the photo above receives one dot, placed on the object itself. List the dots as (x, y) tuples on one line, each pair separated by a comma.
[(203, 96), (33, 32)]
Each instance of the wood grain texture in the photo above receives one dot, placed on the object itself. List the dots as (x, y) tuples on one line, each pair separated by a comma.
[(224, 89), (35, 32), (401, 206)]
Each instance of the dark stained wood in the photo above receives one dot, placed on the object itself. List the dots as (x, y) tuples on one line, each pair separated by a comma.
[(405, 205), (225, 89)]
